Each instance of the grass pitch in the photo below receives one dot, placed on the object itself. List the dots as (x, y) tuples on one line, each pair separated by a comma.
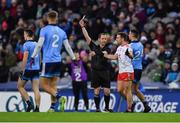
[(89, 117)]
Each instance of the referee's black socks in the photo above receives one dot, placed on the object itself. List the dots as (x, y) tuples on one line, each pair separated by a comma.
[(107, 99), (145, 103), (97, 101)]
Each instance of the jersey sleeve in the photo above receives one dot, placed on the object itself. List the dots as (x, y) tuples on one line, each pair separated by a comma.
[(64, 36), (42, 32), (92, 45), (25, 47), (142, 50), (116, 53), (130, 49)]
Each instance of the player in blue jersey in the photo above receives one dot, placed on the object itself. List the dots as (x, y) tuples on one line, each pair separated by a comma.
[(137, 65), (51, 40), (29, 72)]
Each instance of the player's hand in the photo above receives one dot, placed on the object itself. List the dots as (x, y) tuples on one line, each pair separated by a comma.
[(81, 22), (75, 61), (92, 53), (31, 62), (128, 54), (105, 54)]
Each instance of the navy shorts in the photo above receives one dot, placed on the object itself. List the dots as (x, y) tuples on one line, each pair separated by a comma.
[(30, 75), (137, 76), (51, 69)]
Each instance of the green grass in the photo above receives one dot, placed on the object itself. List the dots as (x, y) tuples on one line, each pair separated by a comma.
[(89, 117)]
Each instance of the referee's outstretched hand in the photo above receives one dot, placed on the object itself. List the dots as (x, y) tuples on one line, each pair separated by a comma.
[(81, 22)]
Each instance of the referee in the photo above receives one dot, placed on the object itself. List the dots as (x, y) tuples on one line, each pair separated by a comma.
[(100, 67)]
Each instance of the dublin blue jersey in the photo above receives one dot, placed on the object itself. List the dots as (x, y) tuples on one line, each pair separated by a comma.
[(29, 46), (137, 48), (54, 38)]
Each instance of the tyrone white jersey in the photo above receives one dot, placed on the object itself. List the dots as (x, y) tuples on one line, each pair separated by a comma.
[(125, 63)]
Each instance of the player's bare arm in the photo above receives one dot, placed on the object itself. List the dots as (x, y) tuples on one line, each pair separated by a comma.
[(92, 53), (111, 56), (69, 49), (85, 33), (38, 46), (24, 61)]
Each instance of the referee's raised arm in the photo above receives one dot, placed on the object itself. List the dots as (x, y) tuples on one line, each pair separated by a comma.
[(85, 33)]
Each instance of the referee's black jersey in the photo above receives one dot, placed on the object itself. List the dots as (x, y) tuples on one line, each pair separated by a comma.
[(98, 61)]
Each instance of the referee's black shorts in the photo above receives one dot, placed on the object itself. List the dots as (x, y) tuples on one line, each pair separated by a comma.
[(100, 78)]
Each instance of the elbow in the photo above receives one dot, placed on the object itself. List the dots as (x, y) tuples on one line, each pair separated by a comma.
[(39, 46)]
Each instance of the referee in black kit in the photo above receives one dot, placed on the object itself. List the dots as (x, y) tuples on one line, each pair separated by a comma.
[(100, 67)]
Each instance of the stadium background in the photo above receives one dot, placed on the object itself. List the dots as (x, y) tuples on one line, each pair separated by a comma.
[(158, 22)]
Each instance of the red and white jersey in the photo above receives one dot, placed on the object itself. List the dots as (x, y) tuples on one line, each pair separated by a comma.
[(125, 63)]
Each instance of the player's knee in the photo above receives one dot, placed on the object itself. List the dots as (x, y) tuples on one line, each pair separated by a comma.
[(107, 92), (96, 91), (96, 94), (36, 92), (136, 90), (120, 91), (19, 86)]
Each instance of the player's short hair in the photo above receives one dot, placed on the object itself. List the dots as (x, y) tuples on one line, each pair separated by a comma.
[(135, 33), (29, 32), (123, 35), (52, 14)]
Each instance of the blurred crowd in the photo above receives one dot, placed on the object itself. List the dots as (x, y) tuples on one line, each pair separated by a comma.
[(158, 23)]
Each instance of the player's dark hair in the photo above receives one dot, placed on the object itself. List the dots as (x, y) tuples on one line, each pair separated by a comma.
[(29, 32), (124, 36), (135, 33), (101, 34), (52, 14)]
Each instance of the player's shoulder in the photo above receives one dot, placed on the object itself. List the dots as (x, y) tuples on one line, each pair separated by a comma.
[(44, 28), (127, 46), (30, 43), (119, 47), (26, 43), (107, 46), (136, 44), (61, 30)]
